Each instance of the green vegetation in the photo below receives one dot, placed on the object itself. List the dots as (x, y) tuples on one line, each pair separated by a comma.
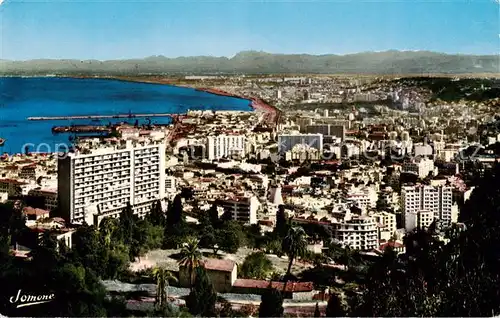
[(335, 307), (271, 304), (202, 298), (294, 245), (452, 90), (256, 266), (456, 277)]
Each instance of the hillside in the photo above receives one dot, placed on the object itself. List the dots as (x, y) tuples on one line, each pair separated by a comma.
[(252, 62)]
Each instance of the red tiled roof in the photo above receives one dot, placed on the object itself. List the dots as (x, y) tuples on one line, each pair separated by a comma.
[(391, 244), (224, 265), (263, 284), (34, 211)]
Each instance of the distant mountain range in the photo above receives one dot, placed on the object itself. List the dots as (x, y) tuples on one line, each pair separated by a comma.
[(253, 62)]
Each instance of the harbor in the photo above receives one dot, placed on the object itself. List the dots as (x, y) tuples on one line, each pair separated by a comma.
[(129, 115)]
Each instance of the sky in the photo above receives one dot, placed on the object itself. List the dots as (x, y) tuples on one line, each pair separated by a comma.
[(119, 29)]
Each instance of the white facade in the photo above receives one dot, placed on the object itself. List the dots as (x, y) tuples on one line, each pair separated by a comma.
[(170, 184), (242, 209), (362, 198), (421, 167), (420, 219), (436, 199), (105, 180), (224, 146), (386, 220), (359, 232), (287, 142)]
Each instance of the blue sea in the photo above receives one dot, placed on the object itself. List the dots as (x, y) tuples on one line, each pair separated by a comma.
[(52, 96)]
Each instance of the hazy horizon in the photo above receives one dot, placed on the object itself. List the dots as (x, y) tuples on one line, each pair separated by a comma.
[(256, 51), (111, 30)]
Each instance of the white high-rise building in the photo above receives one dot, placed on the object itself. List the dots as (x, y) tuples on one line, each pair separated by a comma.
[(225, 146), (103, 181), (286, 142), (435, 199)]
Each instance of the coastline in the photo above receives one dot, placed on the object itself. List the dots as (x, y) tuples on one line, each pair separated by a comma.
[(272, 113), (272, 116)]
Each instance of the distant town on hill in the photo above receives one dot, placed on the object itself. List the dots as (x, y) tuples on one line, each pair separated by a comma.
[(253, 62)]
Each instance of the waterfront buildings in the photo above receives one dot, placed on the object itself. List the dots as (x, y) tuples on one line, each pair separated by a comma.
[(101, 182)]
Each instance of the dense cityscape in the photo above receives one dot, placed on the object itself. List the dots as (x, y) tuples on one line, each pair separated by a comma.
[(333, 196)]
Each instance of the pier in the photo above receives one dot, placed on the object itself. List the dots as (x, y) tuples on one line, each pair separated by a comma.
[(103, 116)]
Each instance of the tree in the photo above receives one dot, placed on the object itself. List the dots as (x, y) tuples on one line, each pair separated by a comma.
[(202, 298), (230, 237), (271, 304), (317, 312), (190, 256), (88, 250), (127, 224), (175, 211), (459, 278), (17, 225), (46, 254), (256, 266), (157, 217), (281, 221), (294, 245), (162, 276), (213, 215), (108, 228), (335, 306)]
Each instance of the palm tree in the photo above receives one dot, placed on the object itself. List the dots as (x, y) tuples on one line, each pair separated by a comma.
[(190, 256), (107, 228), (162, 276), (294, 245)]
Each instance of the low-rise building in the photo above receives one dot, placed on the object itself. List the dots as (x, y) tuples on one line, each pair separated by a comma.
[(222, 274), (49, 196)]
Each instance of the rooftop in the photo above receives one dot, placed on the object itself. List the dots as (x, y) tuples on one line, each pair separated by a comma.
[(263, 284), (223, 265)]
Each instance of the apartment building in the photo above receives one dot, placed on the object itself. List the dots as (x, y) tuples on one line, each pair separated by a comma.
[(241, 208), (49, 196), (421, 167), (225, 146), (359, 232), (15, 187), (386, 222), (170, 184), (102, 181), (436, 199), (286, 142), (362, 198), (420, 219)]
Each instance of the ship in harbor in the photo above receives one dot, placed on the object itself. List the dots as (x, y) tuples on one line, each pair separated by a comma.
[(2, 142)]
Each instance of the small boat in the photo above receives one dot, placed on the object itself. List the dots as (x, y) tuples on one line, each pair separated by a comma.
[(2, 141)]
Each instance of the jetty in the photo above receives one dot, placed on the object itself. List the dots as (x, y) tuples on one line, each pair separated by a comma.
[(104, 116)]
